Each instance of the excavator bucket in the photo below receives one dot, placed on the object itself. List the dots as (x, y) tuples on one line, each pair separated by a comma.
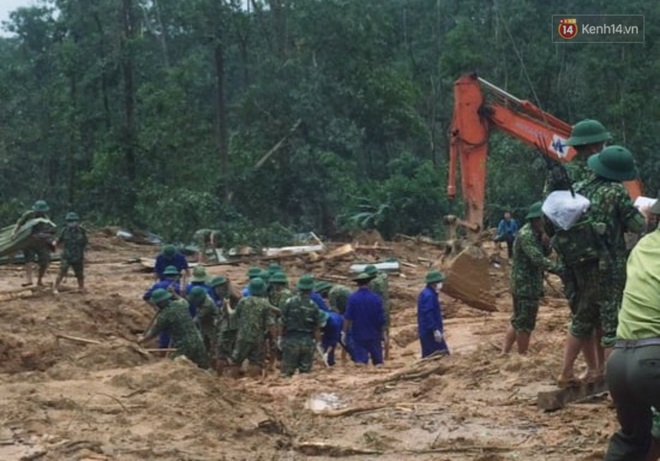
[(468, 278)]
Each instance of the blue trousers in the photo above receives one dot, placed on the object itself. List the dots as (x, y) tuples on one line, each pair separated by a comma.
[(362, 350), (430, 345), (327, 343)]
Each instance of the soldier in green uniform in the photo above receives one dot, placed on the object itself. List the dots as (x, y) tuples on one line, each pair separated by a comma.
[(530, 259), (379, 285), (338, 297), (301, 322), (206, 318), (205, 239), (255, 318), (274, 267), (279, 292), (41, 247), (612, 206), (174, 319), (227, 323), (73, 239)]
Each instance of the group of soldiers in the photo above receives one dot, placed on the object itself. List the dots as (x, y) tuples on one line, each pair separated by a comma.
[(591, 261), (42, 241), (215, 324)]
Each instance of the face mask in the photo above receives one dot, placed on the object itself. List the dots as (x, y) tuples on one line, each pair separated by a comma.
[(438, 286)]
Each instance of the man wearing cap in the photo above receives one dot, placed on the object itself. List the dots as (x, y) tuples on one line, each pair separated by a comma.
[(365, 317), (338, 297), (200, 279), (633, 369), (227, 323), (301, 320), (173, 318), (530, 259), (171, 282), (274, 267), (279, 290), (40, 248), (252, 272), (429, 316), (171, 257), (205, 239), (612, 206), (254, 318), (206, 316), (588, 137), (380, 286), (73, 239)]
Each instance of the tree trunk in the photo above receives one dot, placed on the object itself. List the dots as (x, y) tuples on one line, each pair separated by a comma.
[(221, 129), (128, 72)]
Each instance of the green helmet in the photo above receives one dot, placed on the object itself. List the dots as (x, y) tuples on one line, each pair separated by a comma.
[(274, 267), (40, 206), (171, 270), (159, 295), (265, 275), (588, 132), (535, 211), (371, 270), (197, 293), (169, 250), (322, 286), (257, 287), (217, 281), (253, 272), (434, 277), (199, 274), (363, 276), (306, 283), (71, 217), (278, 277), (615, 163)]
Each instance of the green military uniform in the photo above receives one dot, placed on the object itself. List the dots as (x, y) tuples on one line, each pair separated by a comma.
[(174, 319), (380, 286), (301, 318), (254, 317), (227, 325), (40, 249), (338, 297), (529, 262), (202, 237), (612, 206), (206, 318), (73, 239)]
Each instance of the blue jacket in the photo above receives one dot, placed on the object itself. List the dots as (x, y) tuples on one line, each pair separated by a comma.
[(332, 328), (209, 291), (507, 227), (178, 260), (164, 284), (320, 302), (429, 314), (365, 310)]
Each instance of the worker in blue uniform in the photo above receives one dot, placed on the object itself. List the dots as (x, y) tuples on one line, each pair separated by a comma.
[(429, 316), (365, 317)]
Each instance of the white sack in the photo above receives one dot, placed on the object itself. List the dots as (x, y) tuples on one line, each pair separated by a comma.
[(563, 209)]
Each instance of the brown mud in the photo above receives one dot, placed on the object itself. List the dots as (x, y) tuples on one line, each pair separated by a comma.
[(66, 400)]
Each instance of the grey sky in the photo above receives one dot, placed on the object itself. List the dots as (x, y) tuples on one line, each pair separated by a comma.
[(7, 6)]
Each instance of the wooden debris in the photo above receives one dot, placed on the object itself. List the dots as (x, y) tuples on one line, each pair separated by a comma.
[(340, 252), (351, 411), (337, 278), (387, 266), (422, 239), (293, 250), (77, 339), (407, 264), (374, 247), (554, 400), (332, 450)]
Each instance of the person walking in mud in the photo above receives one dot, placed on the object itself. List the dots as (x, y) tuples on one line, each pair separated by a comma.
[(365, 318), (73, 239), (530, 259), (170, 257), (507, 231), (40, 246), (429, 316)]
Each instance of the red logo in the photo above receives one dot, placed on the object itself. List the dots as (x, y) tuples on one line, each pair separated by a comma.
[(568, 28)]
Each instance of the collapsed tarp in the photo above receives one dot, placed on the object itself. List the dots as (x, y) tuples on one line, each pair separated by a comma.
[(34, 230)]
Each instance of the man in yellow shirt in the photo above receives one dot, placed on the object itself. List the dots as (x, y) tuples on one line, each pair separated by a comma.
[(633, 370)]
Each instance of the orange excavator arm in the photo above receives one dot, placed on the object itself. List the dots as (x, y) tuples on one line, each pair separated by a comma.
[(470, 129)]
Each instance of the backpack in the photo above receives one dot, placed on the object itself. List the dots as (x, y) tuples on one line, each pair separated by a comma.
[(581, 243)]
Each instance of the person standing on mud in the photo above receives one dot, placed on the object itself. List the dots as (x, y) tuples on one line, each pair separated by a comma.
[(206, 317), (530, 259), (40, 248), (200, 279), (171, 257), (254, 317), (252, 272), (227, 323), (205, 239), (380, 286), (507, 230), (365, 317), (429, 316), (633, 369), (173, 318), (301, 320), (74, 240)]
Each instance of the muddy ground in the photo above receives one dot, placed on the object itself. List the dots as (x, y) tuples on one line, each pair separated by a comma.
[(63, 400)]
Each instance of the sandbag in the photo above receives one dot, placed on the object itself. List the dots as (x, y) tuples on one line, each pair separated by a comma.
[(564, 210)]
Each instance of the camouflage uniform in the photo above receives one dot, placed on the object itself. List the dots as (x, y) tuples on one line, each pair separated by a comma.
[(529, 261), (174, 319), (207, 319), (612, 206), (74, 241), (300, 319), (379, 286), (338, 298), (254, 317), (227, 331), (278, 299), (40, 248)]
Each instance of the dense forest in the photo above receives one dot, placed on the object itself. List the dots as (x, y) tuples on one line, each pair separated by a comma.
[(266, 117)]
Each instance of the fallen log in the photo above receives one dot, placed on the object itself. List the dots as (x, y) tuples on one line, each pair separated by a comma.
[(332, 450), (554, 400), (340, 252), (351, 411), (77, 339)]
